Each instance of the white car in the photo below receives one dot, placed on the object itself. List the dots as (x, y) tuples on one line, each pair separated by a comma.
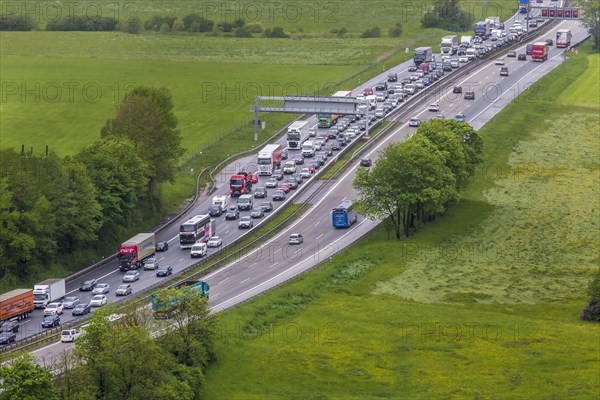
[(454, 63), (312, 132), (499, 61), (419, 85), (198, 250), (380, 113), (53, 309), (98, 300), (101, 288), (463, 59), (414, 121), (131, 276), (305, 173), (296, 238), (214, 241), (69, 335), (434, 107), (289, 167)]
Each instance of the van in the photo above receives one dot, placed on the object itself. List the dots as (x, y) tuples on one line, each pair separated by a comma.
[(372, 102), (308, 148), (69, 335), (198, 250), (528, 49), (244, 202)]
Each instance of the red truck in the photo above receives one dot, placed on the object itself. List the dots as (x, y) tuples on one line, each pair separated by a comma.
[(539, 51), (17, 304), (134, 251), (241, 183)]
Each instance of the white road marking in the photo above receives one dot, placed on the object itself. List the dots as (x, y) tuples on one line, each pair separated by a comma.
[(320, 236), (244, 281), (225, 280), (318, 222), (271, 266)]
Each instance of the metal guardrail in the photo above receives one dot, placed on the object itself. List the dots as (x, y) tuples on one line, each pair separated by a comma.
[(393, 117)]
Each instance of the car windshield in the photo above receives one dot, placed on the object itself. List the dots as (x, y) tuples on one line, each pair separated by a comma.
[(51, 306), (67, 299), (98, 297), (122, 287)]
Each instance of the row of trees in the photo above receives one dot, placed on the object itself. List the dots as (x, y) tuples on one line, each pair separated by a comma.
[(51, 206), (121, 359), (417, 179), (447, 15)]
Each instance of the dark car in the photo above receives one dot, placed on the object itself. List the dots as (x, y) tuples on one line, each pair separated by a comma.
[(257, 212), (522, 57), (549, 42), (328, 151), (457, 89), (412, 68), (284, 154), (511, 53), (381, 87), (366, 162), (7, 337), (164, 270), (336, 146), (88, 286), (277, 174), (82, 309), (260, 192), (162, 246), (470, 95), (215, 210), (51, 321), (279, 195), (341, 142), (392, 77), (232, 213), (320, 159), (292, 182), (299, 159), (298, 177), (10, 326), (266, 206), (529, 49)]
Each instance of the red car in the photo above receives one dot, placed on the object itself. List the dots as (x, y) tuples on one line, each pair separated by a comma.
[(368, 91), (312, 169), (284, 187)]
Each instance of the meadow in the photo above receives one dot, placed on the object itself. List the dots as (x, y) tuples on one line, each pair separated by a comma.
[(483, 303)]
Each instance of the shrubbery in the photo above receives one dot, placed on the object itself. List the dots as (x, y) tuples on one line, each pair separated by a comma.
[(276, 32), (88, 24), (371, 33), (592, 311), (12, 23)]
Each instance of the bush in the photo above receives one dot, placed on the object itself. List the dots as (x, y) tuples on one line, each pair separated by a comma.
[(342, 31), (396, 31), (242, 32), (225, 26), (88, 24), (592, 311), (133, 26), (12, 23), (254, 27), (195, 23), (276, 32), (371, 33), (156, 23)]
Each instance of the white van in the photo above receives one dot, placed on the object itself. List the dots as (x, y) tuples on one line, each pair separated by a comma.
[(69, 335), (198, 250), (308, 148)]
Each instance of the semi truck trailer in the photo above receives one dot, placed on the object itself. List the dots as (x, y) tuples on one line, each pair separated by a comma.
[(16, 304), (48, 291), (134, 251)]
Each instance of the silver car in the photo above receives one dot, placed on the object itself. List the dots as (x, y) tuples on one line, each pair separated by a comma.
[(101, 288), (71, 302), (131, 276), (151, 263)]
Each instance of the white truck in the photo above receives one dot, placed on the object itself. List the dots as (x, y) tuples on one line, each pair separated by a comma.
[(295, 135), (466, 41), (494, 22), (496, 34), (48, 291), (449, 45), (268, 159), (308, 148), (221, 201)]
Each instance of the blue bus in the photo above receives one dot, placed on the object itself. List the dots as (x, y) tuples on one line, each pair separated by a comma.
[(523, 6), (343, 216)]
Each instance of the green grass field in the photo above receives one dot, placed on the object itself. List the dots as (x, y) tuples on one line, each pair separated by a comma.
[(482, 304), (584, 91)]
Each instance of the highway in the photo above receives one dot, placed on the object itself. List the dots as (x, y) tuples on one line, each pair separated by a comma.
[(276, 262)]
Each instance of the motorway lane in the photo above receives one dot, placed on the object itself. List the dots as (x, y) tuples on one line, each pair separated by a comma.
[(180, 259)]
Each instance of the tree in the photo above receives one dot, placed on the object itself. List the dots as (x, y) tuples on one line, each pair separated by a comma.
[(448, 15), (371, 33), (410, 180), (276, 32), (590, 17), (146, 118), (396, 31), (23, 379)]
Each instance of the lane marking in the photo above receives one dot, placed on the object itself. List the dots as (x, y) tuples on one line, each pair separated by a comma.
[(225, 280), (244, 281)]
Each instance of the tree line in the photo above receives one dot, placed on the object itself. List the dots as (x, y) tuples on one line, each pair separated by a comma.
[(119, 358), (415, 180), (52, 207)]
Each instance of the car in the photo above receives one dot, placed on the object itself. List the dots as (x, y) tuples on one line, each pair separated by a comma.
[(321, 159), (10, 326), (257, 212), (285, 187), (295, 238), (312, 132), (522, 57), (266, 206), (131, 276), (215, 210), (367, 91), (511, 53), (460, 117), (214, 241), (279, 195), (392, 77), (434, 107), (55, 308), (277, 174), (379, 113), (51, 321), (98, 300), (341, 142), (298, 159), (289, 167), (549, 42), (164, 270), (70, 302), (414, 121), (124, 290), (260, 192), (305, 172), (88, 286), (150, 263), (366, 162), (299, 178), (463, 59), (271, 183), (81, 309), (284, 154), (470, 95), (162, 246), (245, 223), (101, 288), (503, 71), (412, 68), (7, 337), (457, 89), (317, 146), (499, 61), (336, 146), (292, 182), (533, 24), (328, 151), (69, 335), (455, 63), (332, 133), (414, 77), (232, 213), (439, 116)]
